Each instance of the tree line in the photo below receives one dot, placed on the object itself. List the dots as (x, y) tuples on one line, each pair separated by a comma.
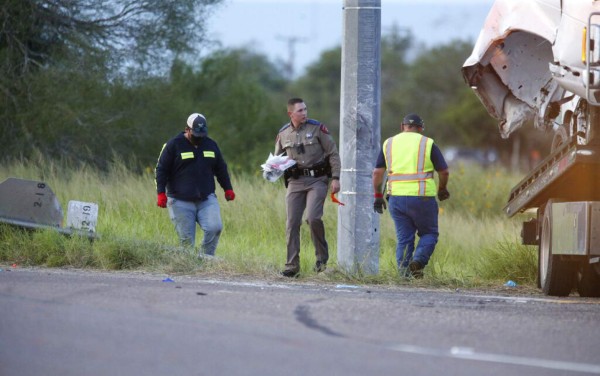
[(88, 87)]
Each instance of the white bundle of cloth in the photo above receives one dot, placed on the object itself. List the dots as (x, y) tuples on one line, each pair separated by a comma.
[(275, 165)]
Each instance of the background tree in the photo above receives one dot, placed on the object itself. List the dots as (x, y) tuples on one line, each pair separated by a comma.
[(320, 88), (239, 92), (58, 60), (396, 48), (436, 90), (320, 85), (120, 80)]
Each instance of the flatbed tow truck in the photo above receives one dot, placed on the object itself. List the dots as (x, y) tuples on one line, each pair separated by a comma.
[(539, 60)]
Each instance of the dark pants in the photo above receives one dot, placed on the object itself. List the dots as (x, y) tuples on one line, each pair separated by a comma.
[(310, 193), (414, 215)]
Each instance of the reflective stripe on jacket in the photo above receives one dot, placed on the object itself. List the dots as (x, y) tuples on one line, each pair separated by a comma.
[(188, 172), (409, 166)]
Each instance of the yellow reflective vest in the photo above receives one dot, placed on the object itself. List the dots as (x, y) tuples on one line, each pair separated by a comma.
[(409, 166)]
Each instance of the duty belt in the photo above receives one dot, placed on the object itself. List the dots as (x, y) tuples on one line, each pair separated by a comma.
[(294, 172), (314, 172)]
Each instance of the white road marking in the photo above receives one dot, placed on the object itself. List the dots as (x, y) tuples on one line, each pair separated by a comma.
[(548, 299), (470, 354)]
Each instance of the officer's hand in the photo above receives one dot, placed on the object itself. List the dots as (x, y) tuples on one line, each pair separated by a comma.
[(335, 185), (162, 200), (443, 194), (229, 195), (379, 205)]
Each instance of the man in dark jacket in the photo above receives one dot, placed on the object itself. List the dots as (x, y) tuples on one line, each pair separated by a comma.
[(185, 183)]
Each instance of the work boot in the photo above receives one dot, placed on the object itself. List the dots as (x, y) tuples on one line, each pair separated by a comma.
[(320, 267), (290, 273), (416, 269)]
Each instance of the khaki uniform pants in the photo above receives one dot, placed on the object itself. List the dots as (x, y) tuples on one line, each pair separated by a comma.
[(310, 193)]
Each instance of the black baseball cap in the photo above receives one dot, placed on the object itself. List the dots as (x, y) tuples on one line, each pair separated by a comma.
[(414, 120), (197, 123)]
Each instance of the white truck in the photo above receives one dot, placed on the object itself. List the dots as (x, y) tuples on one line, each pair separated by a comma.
[(538, 61)]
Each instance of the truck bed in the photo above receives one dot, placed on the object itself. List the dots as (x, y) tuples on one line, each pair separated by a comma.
[(571, 173)]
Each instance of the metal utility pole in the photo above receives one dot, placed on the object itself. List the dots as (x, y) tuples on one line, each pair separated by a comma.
[(360, 134)]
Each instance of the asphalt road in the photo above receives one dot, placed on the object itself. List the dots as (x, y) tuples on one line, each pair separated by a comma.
[(57, 322)]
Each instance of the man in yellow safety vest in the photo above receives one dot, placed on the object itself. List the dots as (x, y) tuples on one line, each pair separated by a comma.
[(410, 159)]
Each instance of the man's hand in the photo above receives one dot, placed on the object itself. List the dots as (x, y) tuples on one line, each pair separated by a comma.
[(443, 194), (161, 200), (379, 205), (335, 186), (229, 195)]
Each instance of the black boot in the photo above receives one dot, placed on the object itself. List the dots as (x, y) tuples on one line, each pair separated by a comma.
[(415, 269), (320, 267)]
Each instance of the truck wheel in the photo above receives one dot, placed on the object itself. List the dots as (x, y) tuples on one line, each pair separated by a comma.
[(540, 221), (560, 138), (586, 123), (556, 275), (588, 284)]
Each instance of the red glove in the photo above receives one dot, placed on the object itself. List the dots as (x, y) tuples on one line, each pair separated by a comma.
[(229, 195), (162, 200)]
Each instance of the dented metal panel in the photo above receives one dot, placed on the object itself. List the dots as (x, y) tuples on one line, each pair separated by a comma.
[(29, 201), (529, 55), (535, 16), (33, 205)]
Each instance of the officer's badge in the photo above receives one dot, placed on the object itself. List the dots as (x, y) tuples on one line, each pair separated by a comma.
[(309, 135)]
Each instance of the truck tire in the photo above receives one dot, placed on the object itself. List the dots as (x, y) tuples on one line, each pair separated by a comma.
[(588, 284), (540, 221), (556, 275)]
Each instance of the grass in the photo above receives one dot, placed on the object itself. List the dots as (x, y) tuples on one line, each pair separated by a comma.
[(478, 245)]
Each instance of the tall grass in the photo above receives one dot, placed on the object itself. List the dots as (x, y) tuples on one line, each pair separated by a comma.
[(478, 245)]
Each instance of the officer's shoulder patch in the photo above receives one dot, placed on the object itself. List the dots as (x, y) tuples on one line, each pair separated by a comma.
[(322, 126), (285, 126)]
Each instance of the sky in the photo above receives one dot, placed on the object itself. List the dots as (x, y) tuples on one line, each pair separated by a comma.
[(303, 29)]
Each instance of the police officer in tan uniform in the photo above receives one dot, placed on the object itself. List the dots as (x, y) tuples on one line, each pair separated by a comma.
[(309, 143)]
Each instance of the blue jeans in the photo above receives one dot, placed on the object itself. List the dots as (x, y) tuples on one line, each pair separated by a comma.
[(414, 214), (185, 215)]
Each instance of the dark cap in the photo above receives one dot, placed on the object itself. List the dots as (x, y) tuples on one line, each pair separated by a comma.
[(413, 120), (197, 123)]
